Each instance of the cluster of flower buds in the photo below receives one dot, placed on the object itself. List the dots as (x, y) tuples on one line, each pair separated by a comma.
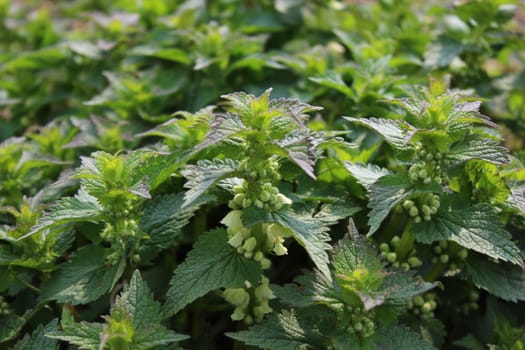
[(254, 244), (361, 322), (471, 304), (265, 196), (423, 305), (427, 167), (266, 170), (388, 252), (4, 307), (422, 206), (449, 256), (251, 303)]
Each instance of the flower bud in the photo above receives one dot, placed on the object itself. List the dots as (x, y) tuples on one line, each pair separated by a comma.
[(443, 259), (279, 249), (233, 219), (238, 314), (264, 196), (414, 261), (408, 204), (236, 296), (265, 263), (278, 230), (391, 257), (384, 247), (236, 240), (413, 211), (250, 244)]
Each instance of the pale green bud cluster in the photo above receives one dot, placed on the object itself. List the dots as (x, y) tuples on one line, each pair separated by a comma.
[(423, 306), (266, 170), (427, 167), (388, 252), (361, 322), (255, 244), (4, 307), (251, 303), (422, 206), (471, 304), (265, 197), (123, 227), (452, 257)]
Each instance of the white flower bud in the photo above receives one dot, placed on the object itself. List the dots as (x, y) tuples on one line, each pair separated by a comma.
[(250, 244), (233, 219)]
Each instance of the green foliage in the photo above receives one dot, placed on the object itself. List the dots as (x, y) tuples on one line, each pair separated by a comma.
[(203, 272), (134, 323), (216, 150)]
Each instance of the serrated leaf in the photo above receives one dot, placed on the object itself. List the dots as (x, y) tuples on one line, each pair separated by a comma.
[(477, 147), (37, 340), (10, 325), (222, 127), (399, 337), (394, 131), (300, 148), (476, 227), (402, 287), (384, 194), (442, 52), (309, 289), (83, 279), (470, 342), (153, 336), (503, 280), (284, 331), (83, 334), (163, 219), (366, 174), (135, 319), (307, 231), (137, 302), (335, 81), (211, 264), (205, 174), (67, 210)]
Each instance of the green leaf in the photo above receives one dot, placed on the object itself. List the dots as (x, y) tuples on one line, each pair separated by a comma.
[(395, 132), (85, 278), (163, 219), (399, 337), (384, 194), (300, 148), (284, 331), (211, 264), (476, 227), (366, 174), (83, 334), (135, 320), (308, 231), (137, 302), (335, 81), (503, 280), (221, 128), (205, 174), (470, 342), (402, 287), (67, 210), (477, 147), (37, 340), (10, 325), (442, 52)]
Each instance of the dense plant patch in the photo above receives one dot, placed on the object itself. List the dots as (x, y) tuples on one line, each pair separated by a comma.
[(276, 174)]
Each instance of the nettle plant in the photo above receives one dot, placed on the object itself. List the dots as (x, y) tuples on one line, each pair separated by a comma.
[(271, 146), (450, 189)]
